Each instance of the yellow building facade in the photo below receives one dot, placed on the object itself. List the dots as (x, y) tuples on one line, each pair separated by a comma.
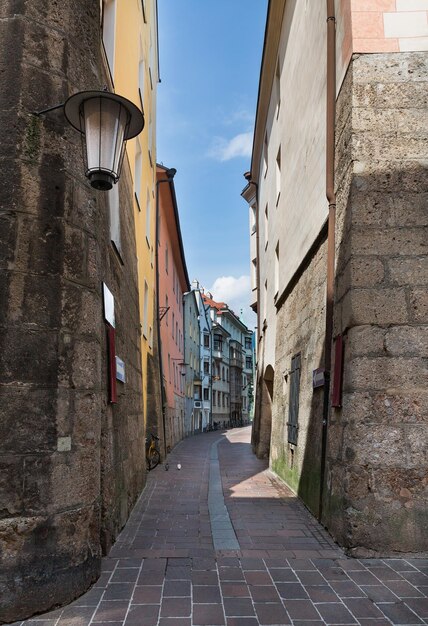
[(130, 37)]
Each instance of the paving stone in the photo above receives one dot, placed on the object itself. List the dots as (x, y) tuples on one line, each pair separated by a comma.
[(321, 593), (292, 591), (176, 588), (204, 578), (143, 615), (258, 578), (271, 613), (147, 594), (399, 613), (206, 594), (264, 593), (234, 590), (301, 609), (379, 593), (242, 621), (334, 613), (403, 589), (419, 606), (283, 575), (208, 615), (362, 607), (238, 607), (111, 611), (175, 607)]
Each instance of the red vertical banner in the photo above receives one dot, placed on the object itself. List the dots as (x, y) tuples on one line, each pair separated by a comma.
[(336, 396), (111, 350)]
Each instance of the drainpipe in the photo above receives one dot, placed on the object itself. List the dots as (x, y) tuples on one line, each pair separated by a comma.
[(170, 175), (331, 197)]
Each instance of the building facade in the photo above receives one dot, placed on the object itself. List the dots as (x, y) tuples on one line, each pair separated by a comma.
[(70, 452), (205, 342), (192, 357), (337, 267), (173, 282)]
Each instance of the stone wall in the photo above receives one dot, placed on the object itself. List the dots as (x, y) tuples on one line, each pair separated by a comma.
[(71, 465), (301, 329), (377, 465)]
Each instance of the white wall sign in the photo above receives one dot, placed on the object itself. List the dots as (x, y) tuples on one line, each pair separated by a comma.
[(120, 370), (108, 306)]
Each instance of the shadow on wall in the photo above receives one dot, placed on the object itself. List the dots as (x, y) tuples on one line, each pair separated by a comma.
[(262, 424)]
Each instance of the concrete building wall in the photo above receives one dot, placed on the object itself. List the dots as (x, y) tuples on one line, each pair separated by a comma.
[(71, 465)]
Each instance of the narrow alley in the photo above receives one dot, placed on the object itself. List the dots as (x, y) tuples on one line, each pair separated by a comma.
[(222, 542)]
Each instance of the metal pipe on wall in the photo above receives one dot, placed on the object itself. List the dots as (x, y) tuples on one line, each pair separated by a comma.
[(331, 197)]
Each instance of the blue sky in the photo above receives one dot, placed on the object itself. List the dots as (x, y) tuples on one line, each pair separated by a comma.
[(210, 54)]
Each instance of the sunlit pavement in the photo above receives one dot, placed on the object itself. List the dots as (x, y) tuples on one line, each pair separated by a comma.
[(164, 568)]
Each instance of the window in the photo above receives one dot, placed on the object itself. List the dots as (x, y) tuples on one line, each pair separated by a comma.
[(167, 310), (266, 226), (248, 362), (214, 397), (138, 171), (265, 300), (148, 217), (277, 268), (254, 274), (109, 31), (206, 340), (253, 219), (176, 333), (173, 325), (206, 367), (206, 394), (141, 75), (150, 140), (278, 174), (145, 309), (227, 375), (222, 400), (265, 156), (166, 258), (113, 205), (222, 374), (169, 367), (278, 88), (218, 343), (293, 404), (248, 343)]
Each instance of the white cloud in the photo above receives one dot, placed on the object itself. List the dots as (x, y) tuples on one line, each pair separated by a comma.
[(236, 293), (239, 146)]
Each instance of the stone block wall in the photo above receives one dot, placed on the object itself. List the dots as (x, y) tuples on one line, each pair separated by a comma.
[(71, 465), (301, 329), (378, 466)]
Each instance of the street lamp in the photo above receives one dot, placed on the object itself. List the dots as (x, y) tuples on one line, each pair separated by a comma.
[(106, 121)]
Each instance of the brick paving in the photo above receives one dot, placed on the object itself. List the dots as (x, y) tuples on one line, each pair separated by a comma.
[(164, 569)]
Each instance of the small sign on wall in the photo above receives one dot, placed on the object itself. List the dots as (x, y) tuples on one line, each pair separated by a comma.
[(120, 370), (108, 299), (318, 378)]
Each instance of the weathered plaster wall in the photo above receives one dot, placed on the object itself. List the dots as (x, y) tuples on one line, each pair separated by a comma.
[(70, 465), (378, 466)]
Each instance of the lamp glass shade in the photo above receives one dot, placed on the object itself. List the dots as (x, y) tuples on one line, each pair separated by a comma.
[(106, 121)]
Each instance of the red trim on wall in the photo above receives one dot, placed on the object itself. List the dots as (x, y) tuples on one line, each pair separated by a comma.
[(111, 351)]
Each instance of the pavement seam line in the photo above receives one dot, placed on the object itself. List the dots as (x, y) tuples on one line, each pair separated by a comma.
[(219, 515)]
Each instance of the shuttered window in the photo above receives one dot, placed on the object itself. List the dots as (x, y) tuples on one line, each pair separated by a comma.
[(293, 406)]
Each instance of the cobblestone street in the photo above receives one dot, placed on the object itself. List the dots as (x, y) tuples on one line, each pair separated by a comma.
[(195, 554)]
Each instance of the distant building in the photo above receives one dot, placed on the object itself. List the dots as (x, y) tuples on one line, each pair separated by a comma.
[(206, 344), (228, 362), (173, 282), (192, 368), (339, 265)]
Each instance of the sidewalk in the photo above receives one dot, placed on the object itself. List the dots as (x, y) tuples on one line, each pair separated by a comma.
[(193, 554)]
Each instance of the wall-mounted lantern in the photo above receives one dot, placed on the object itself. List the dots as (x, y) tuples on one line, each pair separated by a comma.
[(106, 121)]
